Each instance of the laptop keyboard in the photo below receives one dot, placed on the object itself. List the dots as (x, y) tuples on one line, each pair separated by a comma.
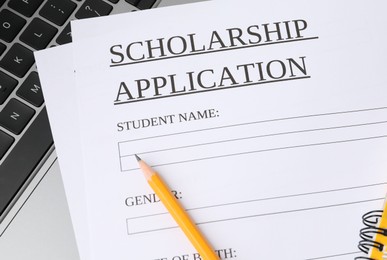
[(26, 26)]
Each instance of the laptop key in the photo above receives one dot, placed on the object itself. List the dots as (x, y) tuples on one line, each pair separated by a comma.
[(18, 60), (15, 116), (7, 85), (2, 2), (132, 2), (93, 8), (10, 25), (31, 90), (5, 143), (25, 7), (113, 1), (38, 34), (145, 4), (65, 36), (32, 147), (57, 11), (2, 48)]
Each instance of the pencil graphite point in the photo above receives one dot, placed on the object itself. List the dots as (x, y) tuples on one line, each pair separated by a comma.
[(147, 171)]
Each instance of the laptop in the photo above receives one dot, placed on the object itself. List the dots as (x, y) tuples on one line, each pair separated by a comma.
[(34, 219)]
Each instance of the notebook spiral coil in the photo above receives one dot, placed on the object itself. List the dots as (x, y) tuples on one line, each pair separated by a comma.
[(367, 234)]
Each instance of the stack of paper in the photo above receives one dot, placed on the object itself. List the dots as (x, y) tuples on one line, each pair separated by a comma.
[(268, 120)]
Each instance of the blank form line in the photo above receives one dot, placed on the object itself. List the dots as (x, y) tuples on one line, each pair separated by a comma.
[(266, 214), (269, 198), (334, 256), (257, 136), (292, 211), (264, 150), (292, 195), (257, 122)]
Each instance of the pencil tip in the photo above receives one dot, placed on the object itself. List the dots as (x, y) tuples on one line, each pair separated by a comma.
[(138, 158)]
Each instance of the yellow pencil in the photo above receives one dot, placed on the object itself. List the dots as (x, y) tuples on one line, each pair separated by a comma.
[(178, 213), (380, 237)]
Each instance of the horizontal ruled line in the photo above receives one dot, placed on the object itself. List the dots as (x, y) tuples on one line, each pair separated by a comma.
[(334, 256), (266, 214), (271, 198), (257, 122), (257, 136), (294, 210), (265, 150)]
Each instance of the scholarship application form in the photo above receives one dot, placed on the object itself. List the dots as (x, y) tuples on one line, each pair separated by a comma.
[(268, 121)]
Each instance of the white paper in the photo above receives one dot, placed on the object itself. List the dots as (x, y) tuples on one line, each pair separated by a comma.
[(275, 170), (56, 73)]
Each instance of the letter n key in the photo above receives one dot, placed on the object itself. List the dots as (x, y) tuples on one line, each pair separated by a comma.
[(15, 116)]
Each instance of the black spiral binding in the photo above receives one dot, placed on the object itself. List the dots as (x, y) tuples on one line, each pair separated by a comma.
[(367, 234)]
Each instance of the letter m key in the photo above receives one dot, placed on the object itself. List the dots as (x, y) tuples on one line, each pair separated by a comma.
[(35, 89)]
